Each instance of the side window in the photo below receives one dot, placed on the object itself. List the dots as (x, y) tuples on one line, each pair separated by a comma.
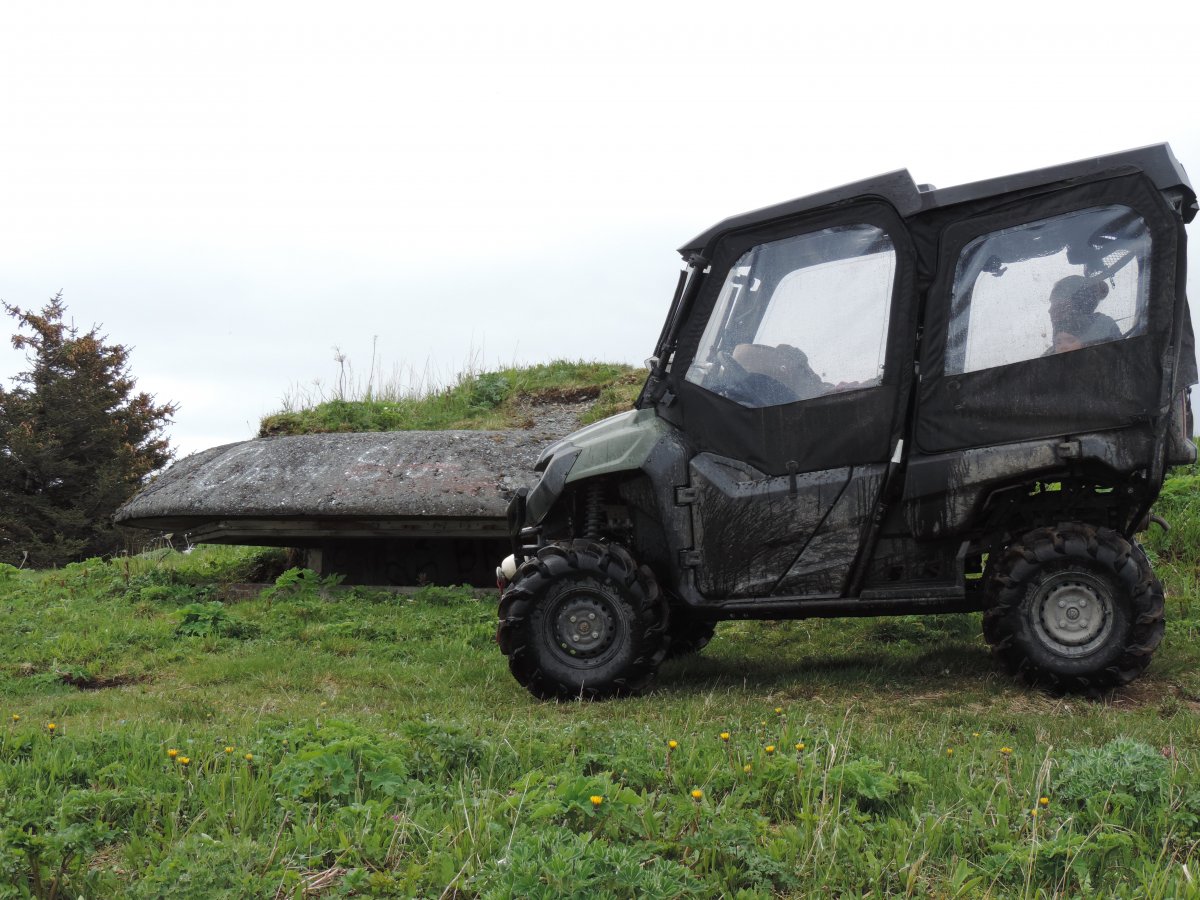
[(1050, 286), (800, 317)]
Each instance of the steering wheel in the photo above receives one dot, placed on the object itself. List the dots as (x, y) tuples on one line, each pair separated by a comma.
[(752, 389), (729, 379)]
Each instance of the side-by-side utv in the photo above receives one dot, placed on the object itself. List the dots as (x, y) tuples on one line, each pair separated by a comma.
[(884, 399)]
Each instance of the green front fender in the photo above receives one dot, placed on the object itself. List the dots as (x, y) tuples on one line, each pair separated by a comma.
[(619, 443)]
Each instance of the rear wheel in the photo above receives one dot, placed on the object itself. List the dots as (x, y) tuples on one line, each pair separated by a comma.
[(582, 620), (1074, 607)]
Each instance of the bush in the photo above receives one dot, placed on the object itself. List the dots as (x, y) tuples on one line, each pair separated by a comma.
[(489, 390), (210, 620), (1124, 777)]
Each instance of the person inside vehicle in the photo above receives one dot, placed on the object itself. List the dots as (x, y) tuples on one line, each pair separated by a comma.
[(1073, 316), (785, 365)]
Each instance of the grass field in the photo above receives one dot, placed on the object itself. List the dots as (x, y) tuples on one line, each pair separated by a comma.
[(166, 731), (306, 740)]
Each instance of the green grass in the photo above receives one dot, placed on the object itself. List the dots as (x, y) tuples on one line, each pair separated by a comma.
[(507, 398), (393, 755), (1177, 552)]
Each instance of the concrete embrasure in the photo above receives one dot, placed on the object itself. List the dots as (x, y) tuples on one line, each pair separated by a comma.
[(442, 474)]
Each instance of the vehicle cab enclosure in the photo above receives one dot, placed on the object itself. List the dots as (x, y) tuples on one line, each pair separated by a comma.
[(880, 399)]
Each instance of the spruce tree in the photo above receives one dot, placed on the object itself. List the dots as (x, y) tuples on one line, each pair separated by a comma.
[(76, 441)]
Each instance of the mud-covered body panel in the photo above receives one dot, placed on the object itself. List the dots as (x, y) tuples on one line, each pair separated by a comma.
[(758, 536), (944, 494), (824, 568), (751, 528)]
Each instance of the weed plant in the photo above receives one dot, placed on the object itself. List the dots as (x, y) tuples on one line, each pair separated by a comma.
[(314, 740)]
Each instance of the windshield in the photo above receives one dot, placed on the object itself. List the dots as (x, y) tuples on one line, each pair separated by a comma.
[(799, 318)]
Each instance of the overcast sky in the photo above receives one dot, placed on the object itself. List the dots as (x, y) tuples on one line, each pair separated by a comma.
[(236, 188)]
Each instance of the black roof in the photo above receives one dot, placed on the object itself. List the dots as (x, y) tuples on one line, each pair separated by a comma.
[(898, 188)]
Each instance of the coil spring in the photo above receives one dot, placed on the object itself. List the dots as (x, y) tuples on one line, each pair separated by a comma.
[(593, 511)]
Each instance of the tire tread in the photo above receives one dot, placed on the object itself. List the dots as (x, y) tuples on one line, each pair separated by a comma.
[(1097, 547), (608, 564)]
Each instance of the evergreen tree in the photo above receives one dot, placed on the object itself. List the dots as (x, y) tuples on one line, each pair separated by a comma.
[(75, 441)]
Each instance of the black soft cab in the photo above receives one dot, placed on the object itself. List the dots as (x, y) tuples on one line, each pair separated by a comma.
[(884, 399)]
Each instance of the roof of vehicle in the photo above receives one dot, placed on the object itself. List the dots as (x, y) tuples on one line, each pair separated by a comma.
[(902, 192)]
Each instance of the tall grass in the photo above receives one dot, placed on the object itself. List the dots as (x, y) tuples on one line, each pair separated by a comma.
[(1175, 551)]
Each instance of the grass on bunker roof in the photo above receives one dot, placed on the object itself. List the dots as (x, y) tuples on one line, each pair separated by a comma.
[(505, 398)]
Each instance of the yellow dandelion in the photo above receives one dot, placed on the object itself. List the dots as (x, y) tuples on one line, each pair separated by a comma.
[(697, 794), (800, 747), (172, 752), (1043, 801), (249, 757), (16, 718), (1033, 812), (597, 799), (949, 751), (725, 735), (974, 734), (50, 726), (671, 745), (228, 749), (770, 748), (746, 768), (779, 710), (1006, 751), (184, 760)]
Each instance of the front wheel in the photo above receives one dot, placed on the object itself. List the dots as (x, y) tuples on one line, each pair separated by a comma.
[(582, 620), (1074, 607)]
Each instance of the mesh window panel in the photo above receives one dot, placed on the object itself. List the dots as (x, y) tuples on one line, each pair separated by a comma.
[(1051, 286)]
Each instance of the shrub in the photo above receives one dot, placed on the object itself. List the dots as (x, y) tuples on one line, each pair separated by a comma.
[(1124, 776), (210, 620), (298, 583), (489, 390)]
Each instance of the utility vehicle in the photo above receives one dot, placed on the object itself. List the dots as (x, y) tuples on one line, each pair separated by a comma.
[(883, 399)]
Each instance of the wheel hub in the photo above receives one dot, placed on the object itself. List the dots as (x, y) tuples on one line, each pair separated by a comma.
[(1072, 615), (584, 626)]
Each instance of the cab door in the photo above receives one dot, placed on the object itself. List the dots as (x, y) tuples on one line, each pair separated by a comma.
[(792, 378), (1052, 316)]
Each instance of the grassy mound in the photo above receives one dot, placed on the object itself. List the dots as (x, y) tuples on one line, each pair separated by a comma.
[(507, 398)]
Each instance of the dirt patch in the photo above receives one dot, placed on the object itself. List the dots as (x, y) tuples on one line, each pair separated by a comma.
[(547, 418), (108, 859), (87, 682), (241, 591), (561, 396), (1168, 696)]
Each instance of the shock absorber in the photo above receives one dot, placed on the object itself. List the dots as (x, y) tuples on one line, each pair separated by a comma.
[(593, 511)]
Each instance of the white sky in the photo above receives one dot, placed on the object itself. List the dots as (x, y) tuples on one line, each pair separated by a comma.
[(234, 188)]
